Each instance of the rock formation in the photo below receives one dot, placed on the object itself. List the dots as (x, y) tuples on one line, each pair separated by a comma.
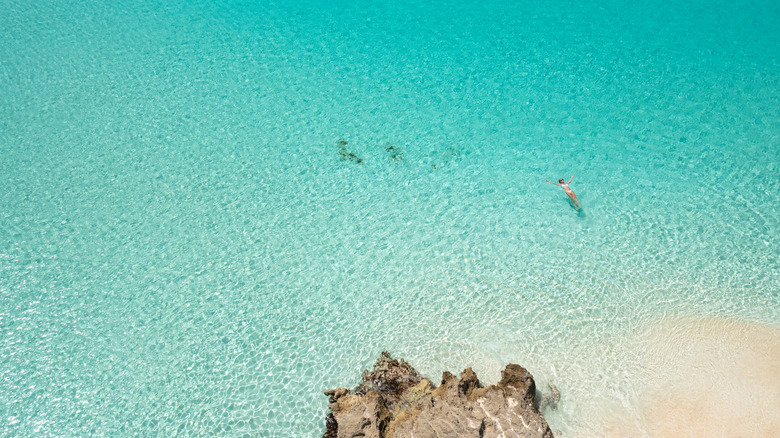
[(395, 401)]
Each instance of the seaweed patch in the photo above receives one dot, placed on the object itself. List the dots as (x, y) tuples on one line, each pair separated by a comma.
[(346, 154), (395, 153)]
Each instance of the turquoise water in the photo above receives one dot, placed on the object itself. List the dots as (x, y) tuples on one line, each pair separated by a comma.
[(184, 250)]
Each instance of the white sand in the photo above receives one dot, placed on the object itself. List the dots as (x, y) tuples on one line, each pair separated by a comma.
[(706, 377)]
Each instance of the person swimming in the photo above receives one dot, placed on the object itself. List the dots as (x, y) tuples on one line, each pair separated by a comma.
[(565, 186)]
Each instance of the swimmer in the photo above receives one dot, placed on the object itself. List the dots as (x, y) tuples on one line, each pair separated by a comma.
[(565, 186)]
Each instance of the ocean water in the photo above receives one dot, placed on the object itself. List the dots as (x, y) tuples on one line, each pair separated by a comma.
[(211, 212)]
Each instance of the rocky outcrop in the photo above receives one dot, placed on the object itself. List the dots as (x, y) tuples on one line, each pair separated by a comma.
[(395, 401)]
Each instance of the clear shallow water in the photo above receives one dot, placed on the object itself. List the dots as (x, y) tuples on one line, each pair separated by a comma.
[(182, 248)]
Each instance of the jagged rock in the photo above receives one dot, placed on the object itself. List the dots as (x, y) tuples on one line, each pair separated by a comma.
[(337, 393), (395, 401), (360, 415), (331, 427), (389, 376)]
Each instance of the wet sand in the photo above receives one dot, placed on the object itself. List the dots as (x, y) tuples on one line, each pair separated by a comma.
[(707, 377)]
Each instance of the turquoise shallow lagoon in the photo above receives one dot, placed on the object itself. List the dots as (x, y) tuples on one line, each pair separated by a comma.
[(189, 246)]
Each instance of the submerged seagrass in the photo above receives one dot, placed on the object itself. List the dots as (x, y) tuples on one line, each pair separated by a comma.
[(395, 401)]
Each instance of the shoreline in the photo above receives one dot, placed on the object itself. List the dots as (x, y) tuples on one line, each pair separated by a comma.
[(696, 375), (705, 375)]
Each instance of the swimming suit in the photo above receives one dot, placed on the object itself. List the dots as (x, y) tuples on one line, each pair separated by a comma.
[(566, 188)]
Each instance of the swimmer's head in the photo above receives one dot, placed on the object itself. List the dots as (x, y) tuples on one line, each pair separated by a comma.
[(560, 180)]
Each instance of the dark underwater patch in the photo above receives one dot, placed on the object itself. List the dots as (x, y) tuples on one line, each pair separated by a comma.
[(346, 154)]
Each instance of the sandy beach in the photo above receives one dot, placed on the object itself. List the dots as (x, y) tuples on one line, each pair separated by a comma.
[(707, 377)]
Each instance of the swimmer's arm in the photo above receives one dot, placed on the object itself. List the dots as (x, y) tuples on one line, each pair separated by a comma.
[(552, 182), (572, 177)]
